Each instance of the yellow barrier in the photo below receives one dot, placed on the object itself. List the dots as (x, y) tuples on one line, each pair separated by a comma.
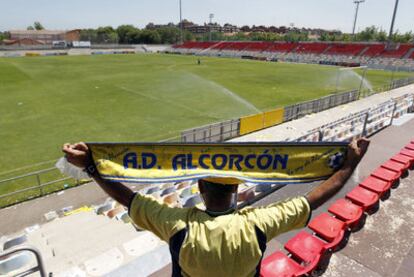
[(31, 54), (251, 123), (273, 118), (257, 122), (80, 210)]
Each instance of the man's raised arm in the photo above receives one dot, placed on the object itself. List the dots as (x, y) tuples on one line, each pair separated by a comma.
[(79, 155), (323, 192)]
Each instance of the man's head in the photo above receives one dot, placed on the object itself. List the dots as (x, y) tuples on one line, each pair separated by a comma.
[(218, 197)]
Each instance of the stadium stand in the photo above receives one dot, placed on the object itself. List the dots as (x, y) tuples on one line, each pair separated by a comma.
[(376, 55)]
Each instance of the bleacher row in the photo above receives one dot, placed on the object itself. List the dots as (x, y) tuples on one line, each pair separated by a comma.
[(401, 55), (308, 251), (351, 49)]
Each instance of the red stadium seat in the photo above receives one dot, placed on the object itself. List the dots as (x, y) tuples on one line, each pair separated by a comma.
[(306, 248), (376, 185), (311, 47), (329, 228), (398, 53), (410, 146), (404, 160), (282, 47), (386, 174), (395, 166), (408, 153), (363, 197), (346, 211), (346, 49), (280, 265), (374, 50)]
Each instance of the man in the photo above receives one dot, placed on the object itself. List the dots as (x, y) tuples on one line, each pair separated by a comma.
[(220, 241)]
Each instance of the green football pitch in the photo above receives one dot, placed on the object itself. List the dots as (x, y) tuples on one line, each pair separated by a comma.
[(46, 101)]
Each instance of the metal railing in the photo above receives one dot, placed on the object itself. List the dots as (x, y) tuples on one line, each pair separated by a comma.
[(212, 133), (33, 183), (39, 261), (318, 105)]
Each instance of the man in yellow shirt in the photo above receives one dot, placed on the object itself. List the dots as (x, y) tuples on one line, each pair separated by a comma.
[(220, 241)]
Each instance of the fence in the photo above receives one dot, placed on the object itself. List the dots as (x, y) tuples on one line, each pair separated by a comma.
[(391, 67), (31, 185), (212, 133), (299, 110), (218, 132)]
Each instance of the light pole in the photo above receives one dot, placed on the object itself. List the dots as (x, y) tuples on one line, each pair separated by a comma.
[(393, 21), (211, 16), (357, 2), (181, 24)]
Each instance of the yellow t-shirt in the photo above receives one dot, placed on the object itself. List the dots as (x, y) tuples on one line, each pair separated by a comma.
[(226, 245)]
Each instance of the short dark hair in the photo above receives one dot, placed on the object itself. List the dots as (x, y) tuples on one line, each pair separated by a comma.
[(216, 188)]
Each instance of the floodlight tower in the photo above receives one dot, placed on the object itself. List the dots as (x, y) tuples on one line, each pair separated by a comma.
[(356, 2), (393, 21), (211, 16), (181, 24)]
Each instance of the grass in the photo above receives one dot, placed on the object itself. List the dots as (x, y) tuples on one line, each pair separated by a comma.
[(46, 101)]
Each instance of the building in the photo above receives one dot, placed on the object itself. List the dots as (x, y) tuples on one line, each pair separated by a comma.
[(43, 36), (228, 28)]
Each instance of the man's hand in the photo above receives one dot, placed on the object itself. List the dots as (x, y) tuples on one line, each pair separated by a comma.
[(356, 151), (323, 192), (77, 154)]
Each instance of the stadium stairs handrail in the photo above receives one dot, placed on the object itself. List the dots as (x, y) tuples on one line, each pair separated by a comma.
[(39, 266)]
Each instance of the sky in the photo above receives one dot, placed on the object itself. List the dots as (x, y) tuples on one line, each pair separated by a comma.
[(326, 14)]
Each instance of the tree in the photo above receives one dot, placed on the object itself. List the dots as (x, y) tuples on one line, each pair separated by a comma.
[(346, 37), (188, 36), (149, 37), (38, 26), (169, 35), (381, 36), (30, 28), (106, 34), (245, 29), (405, 38), (240, 36), (89, 35), (293, 36), (125, 33), (134, 36), (368, 34)]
